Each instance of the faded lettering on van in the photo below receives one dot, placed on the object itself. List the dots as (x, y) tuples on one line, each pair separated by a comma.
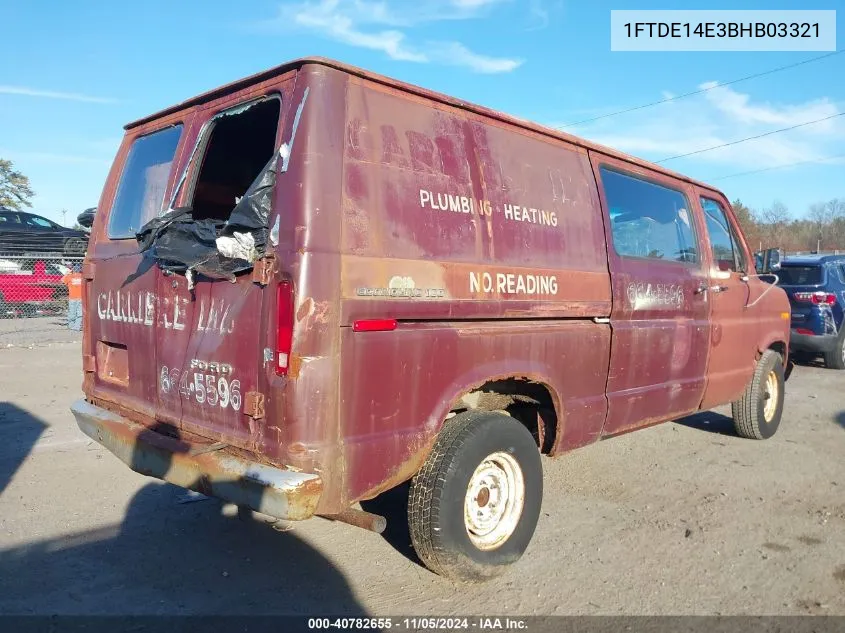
[(530, 214), (648, 296), (145, 309), (215, 318), (512, 284), (213, 389), (454, 203)]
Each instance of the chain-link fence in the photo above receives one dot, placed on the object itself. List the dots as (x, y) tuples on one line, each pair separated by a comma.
[(39, 297)]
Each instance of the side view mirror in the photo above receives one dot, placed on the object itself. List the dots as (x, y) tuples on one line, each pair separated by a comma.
[(767, 261)]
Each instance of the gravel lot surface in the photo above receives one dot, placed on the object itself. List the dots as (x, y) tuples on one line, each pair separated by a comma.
[(683, 518)]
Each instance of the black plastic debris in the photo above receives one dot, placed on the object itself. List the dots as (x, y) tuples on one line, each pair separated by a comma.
[(214, 248)]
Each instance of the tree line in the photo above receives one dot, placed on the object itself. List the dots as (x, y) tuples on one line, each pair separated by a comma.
[(822, 228)]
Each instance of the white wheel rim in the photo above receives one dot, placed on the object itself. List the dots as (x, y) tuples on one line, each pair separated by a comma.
[(771, 394), (494, 500)]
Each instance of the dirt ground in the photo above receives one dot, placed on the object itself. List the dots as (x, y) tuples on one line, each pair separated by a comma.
[(683, 518)]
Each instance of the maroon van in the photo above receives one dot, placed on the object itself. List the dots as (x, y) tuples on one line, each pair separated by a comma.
[(315, 284)]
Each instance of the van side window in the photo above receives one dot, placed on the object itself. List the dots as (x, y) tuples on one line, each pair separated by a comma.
[(649, 220), (238, 146), (727, 255), (140, 193)]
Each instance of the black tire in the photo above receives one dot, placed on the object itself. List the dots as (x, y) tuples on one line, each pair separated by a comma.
[(438, 493), (75, 247), (835, 358), (749, 412)]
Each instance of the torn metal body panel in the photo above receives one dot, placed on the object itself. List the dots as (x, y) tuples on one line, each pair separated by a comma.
[(178, 242)]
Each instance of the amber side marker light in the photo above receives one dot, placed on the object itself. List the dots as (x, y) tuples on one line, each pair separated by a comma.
[(374, 325)]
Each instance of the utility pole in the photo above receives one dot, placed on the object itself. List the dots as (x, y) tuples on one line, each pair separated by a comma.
[(64, 217)]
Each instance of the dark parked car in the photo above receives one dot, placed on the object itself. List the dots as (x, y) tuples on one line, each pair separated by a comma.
[(86, 218), (815, 285), (22, 232)]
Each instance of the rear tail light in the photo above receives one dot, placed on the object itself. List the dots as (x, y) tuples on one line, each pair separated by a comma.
[(284, 327), (818, 298), (802, 330)]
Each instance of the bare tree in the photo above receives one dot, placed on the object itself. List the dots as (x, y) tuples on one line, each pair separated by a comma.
[(15, 191)]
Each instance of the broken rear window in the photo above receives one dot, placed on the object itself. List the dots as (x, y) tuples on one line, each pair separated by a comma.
[(222, 228), (141, 191), (239, 145)]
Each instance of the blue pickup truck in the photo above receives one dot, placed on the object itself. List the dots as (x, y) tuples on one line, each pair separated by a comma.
[(815, 285)]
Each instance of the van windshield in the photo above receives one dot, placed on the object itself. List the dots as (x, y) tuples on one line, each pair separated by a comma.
[(792, 275)]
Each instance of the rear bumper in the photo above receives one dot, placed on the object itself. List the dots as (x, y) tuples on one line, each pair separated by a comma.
[(273, 491), (807, 343)]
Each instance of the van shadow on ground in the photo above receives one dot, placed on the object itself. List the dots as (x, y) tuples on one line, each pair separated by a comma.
[(711, 422), (840, 419), (393, 506), (19, 431), (168, 557)]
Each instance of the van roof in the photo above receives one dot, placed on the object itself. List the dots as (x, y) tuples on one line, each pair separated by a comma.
[(417, 90), (810, 260)]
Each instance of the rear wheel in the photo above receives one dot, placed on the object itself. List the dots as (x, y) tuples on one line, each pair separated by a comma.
[(835, 358), (474, 505), (758, 412)]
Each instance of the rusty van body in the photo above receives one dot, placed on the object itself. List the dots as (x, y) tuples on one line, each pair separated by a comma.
[(428, 265)]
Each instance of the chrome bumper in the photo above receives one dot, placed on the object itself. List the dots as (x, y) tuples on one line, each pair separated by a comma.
[(273, 491)]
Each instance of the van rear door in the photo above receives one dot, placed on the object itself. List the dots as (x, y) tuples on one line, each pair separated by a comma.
[(120, 284), (211, 351)]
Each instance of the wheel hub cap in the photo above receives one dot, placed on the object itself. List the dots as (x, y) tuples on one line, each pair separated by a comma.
[(494, 500), (771, 396)]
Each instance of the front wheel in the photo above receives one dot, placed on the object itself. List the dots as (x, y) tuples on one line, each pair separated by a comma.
[(474, 505), (758, 412)]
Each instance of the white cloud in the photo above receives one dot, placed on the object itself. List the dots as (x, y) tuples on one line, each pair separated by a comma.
[(342, 29), (456, 54), (51, 94), (719, 116), (538, 15), (381, 26), (473, 4), (738, 106)]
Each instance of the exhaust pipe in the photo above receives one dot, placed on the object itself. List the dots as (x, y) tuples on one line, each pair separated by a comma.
[(359, 518)]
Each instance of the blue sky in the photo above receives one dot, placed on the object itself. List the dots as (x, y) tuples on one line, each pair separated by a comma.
[(75, 72)]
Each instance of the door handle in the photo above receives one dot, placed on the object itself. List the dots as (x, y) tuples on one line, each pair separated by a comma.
[(702, 289)]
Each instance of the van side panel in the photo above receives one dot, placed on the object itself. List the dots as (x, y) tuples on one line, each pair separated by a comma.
[(405, 381), (448, 216)]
